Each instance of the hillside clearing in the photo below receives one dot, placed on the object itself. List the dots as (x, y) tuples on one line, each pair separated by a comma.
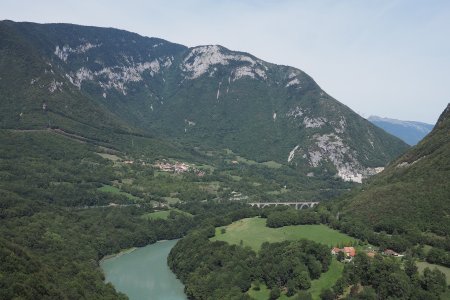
[(253, 232)]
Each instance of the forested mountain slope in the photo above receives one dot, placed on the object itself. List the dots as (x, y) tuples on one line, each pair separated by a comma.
[(413, 192), (100, 81)]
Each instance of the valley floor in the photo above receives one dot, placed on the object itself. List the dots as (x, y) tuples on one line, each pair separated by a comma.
[(253, 232)]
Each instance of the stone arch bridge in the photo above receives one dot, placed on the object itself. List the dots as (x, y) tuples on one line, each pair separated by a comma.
[(296, 205)]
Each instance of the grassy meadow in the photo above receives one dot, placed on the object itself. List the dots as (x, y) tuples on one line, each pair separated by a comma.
[(253, 232), (327, 280)]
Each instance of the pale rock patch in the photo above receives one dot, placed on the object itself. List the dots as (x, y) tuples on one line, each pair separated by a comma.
[(314, 122), (293, 82), (55, 85), (295, 112), (332, 148), (201, 59), (64, 52), (292, 153)]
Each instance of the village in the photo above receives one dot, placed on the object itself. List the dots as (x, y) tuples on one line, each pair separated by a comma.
[(178, 168)]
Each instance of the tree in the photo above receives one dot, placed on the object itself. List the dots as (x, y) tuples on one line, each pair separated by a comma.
[(367, 293), (434, 281), (303, 281), (291, 287), (410, 267), (396, 285), (327, 294), (303, 295), (275, 293), (339, 286)]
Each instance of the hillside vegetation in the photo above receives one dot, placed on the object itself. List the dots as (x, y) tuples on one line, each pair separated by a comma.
[(413, 193), (102, 83)]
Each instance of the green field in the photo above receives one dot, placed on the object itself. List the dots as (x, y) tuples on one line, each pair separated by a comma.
[(253, 232), (421, 265), (115, 190), (163, 214), (326, 280)]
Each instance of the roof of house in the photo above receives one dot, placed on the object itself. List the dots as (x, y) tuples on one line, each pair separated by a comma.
[(350, 251), (390, 252)]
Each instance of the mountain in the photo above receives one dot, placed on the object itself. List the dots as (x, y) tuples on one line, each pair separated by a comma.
[(413, 192), (410, 132), (98, 82)]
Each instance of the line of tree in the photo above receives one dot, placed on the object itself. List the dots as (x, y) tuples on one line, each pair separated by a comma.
[(292, 217)]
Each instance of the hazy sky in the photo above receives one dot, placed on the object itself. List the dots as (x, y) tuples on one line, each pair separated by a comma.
[(388, 58)]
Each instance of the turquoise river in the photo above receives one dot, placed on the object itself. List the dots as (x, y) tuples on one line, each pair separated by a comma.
[(143, 274)]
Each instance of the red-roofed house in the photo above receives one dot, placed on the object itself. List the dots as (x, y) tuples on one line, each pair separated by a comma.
[(335, 250), (350, 251)]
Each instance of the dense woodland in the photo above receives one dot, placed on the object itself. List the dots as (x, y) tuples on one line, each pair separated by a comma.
[(412, 195), (216, 270), (54, 228), (387, 278)]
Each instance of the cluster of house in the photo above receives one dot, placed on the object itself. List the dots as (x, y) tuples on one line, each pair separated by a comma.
[(350, 252), (177, 167)]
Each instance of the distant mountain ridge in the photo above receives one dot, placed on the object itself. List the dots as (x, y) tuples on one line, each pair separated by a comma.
[(413, 192), (410, 132), (90, 80)]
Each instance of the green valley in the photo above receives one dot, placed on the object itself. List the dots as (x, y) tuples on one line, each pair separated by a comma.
[(111, 141)]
